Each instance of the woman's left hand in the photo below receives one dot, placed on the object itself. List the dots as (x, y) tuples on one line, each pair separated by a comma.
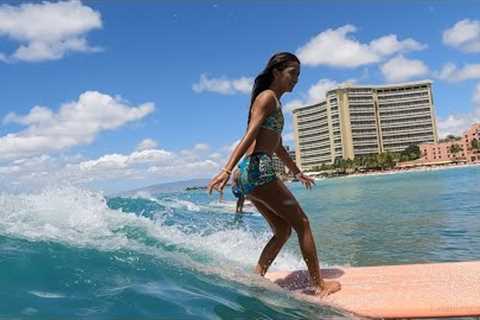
[(218, 182), (306, 180)]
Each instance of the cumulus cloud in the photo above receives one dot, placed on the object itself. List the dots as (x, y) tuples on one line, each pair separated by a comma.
[(316, 93), (144, 167), (229, 148), (451, 73), (201, 147), (223, 85), (400, 68), (335, 47), (119, 161), (75, 123), (464, 35), (47, 30), (147, 144), (153, 163), (456, 124)]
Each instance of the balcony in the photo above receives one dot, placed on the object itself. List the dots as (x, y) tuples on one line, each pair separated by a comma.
[(405, 99), (310, 111), (391, 134), (367, 118), (407, 123), (317, 121), (373, 143), (403, 92), (311, 125), (365, 151), (405, 109), (393, 140), (412, 115), (310, 131), (305, 145)]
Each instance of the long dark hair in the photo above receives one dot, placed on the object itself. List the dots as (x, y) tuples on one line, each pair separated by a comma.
[(263, 81)]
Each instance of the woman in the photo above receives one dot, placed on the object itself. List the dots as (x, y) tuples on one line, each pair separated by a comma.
[(257, 178)]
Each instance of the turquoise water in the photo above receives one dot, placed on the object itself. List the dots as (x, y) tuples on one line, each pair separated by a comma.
[(72, 253)]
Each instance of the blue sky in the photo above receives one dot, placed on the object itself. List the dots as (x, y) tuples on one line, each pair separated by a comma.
[(121, 94)]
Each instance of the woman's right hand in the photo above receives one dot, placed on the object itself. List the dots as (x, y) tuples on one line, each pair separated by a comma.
[(218, 182)]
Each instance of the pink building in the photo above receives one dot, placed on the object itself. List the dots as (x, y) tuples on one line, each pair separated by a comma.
[(440, 152)]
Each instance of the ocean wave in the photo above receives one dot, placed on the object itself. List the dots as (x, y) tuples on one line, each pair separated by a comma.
[(81, 218)]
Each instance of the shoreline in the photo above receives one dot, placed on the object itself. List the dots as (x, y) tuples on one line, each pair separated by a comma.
[(397, 171)]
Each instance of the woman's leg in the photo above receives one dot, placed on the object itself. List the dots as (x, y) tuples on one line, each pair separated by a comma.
[(281, 232), (276, 196)]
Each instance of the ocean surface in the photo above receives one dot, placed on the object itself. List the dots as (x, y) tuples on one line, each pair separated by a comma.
[(70, 253)]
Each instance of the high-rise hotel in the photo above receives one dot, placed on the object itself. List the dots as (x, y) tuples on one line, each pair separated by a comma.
[(358, 120)]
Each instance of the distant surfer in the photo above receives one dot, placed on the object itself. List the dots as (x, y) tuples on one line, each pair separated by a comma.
[(237, 192), (257, 180)]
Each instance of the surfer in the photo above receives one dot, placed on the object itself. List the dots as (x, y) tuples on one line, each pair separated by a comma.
[(237, 192), (257, 179)]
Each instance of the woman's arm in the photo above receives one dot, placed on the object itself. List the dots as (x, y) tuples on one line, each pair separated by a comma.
[(263, 106)]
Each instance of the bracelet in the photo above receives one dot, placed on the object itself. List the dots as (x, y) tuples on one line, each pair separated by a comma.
[(229, 172)]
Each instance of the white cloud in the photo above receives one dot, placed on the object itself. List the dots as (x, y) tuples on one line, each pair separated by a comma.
[(223, 85), (451, 73), (454, 124), (192, 169), (216, 156), (232, 146), (119, 161), (464, 35), (288, 137), (316, 93), (388, 45), (145, 167), (201, 147), (293, 104), (75, 123), (400, 68), (48, 30), (154, 163), (147, 144), (457, 124), (334, 47)]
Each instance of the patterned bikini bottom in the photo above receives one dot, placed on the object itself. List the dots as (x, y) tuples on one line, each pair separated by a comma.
[(255, 170)]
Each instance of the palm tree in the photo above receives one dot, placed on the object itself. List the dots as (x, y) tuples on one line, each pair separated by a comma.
[(475, 144), (455, 149)]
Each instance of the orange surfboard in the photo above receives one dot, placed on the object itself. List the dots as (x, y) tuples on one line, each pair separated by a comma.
[(402, 291)]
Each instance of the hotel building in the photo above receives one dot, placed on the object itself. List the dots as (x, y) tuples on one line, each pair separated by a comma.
[(359, 120), (441, 152)]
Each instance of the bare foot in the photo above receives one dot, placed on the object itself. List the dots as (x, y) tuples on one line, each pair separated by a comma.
[(328, 288)]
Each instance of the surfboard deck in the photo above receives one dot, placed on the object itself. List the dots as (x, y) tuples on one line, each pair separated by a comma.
[(399, 291)]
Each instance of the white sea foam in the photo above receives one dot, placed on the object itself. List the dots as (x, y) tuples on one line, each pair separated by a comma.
[(225, 206), (47, 295), (228, 207), (177, 204), (81, 218)]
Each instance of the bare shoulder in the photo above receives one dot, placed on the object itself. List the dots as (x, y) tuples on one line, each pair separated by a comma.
[(266, 101)]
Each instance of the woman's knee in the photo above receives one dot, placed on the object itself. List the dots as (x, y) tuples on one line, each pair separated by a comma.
[(283, 232), (302, 224)]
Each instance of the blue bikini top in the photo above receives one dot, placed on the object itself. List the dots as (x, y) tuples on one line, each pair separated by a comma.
[(275, 120)]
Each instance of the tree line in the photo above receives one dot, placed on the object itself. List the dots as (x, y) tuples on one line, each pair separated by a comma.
[(388, 160)]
